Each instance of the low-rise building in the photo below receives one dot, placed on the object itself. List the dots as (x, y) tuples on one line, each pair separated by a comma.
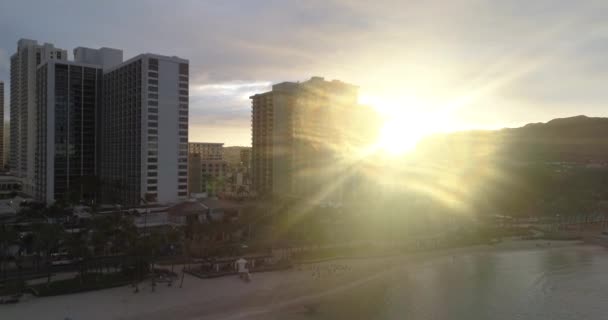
[(207, 168)]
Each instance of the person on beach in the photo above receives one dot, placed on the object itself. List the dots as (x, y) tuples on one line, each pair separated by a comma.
[(241, 267)]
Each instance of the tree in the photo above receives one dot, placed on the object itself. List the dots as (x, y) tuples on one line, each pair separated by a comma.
[(46, 239), (173, 239), (77, 246), (8, 236)]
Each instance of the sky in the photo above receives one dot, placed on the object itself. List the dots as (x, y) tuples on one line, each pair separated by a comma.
[(440, 65)]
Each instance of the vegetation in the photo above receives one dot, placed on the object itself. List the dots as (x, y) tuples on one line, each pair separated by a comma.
[(8, 237), (88, 282)]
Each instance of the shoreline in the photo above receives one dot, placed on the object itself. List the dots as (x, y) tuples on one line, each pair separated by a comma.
[(520, 244), (230, 298)]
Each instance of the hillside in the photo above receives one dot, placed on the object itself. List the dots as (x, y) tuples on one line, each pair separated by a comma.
[(557, 167), (577, 139)]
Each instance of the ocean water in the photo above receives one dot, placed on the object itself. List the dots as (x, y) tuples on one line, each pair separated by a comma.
[(540, 283)]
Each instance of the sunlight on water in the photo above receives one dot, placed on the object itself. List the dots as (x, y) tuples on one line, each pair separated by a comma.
[(564, 283)]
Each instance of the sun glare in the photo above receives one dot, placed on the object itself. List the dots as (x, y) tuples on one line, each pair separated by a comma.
[(397, 137), (405, 122)]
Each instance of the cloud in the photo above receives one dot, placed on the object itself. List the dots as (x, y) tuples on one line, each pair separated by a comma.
[(223, 108), (513, 60), (224, 101)]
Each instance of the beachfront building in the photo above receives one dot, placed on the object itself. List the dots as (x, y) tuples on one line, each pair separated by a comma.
[(144, 130), (68, 96), (24, 64), (262, 114), (305, 136), (124, 125)]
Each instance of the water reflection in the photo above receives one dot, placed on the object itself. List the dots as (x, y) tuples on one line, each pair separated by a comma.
[(543, 283)]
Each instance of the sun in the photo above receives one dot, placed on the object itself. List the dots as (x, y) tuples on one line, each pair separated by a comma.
[(406, 121), (397, 136)]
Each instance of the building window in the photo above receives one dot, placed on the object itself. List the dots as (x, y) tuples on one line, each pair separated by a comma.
[(182, 180), (183, 126), (183, 78), (182, 194), (153, 89), (153, 81), (152, 110), (153, 131), (152, 138), (183, 113), (153, 64), (153, 103), (183, 99), (152, 167), (153, 74), (152, 117), (182, 187), (152, 181), (152, 95), (182, 167), (152, 160), (183, 85), (182, 119), (184, 92), (151, 188), (153, 153), (152, 174), (183, 69), (183, 173), (183, 139), (153, 124)]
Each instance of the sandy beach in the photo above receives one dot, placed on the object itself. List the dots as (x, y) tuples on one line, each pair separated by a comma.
[(292, 294)]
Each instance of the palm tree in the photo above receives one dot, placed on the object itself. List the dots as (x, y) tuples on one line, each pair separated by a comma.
[(47, 238), (8, 236), (77, 246), (173, 237)]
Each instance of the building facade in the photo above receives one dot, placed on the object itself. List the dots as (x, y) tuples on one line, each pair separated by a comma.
[(207, 168), (207, 150), (2, 125), (304, 137), (245, 156), (144, 130), (7, 143), (23, 107), (262, 114), (68, 96)]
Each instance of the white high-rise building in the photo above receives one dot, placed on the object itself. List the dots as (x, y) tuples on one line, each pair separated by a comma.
[(144, 130), (99, 121), (24, 63)]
